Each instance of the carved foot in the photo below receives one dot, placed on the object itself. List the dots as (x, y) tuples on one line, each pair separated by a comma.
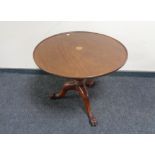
[(55, 96), (92, 120)]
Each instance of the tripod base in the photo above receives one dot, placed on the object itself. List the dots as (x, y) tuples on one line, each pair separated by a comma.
[(80, 86)]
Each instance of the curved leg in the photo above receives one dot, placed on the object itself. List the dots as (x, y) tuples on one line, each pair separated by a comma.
[(67, 86), (90, 83), (79, 86), (84, 94)]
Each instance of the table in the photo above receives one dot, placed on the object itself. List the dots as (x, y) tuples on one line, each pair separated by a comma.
[(80, 56)]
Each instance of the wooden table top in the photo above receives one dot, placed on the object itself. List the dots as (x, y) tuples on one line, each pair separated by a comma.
[(80, 55)]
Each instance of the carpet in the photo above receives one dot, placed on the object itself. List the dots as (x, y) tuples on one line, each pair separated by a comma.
[(121, 104)]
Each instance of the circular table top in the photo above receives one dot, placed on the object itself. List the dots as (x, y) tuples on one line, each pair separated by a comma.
[(80, 55)]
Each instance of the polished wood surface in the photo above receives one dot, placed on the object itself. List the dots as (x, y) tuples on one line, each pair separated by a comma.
[(80, 55)]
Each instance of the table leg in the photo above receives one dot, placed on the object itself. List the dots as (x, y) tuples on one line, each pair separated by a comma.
[(90, 83), (80, 87), (84, 95), (66, 87)]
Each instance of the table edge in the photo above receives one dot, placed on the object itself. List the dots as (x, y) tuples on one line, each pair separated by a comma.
[(81, 77)]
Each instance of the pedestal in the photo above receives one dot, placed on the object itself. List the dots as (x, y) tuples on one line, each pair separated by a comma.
[(79, 86)]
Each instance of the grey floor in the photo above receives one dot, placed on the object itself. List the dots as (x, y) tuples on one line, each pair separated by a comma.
[(121, 104)]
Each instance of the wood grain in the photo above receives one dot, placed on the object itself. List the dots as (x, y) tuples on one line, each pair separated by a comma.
[(80, 55)]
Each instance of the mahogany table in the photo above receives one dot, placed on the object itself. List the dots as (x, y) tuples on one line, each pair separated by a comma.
[(80, 56)]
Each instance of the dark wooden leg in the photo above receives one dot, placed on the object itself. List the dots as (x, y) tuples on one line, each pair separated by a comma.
[(90, 82), (67, 86), (80, 87), (84, 94)]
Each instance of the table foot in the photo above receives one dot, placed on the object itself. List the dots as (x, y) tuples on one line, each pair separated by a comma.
[(92, 121), (55, 96), (66, 87), (80, 87)]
